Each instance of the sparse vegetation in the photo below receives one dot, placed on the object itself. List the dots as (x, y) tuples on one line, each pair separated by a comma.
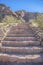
[(7, 22), (38, 22), (10, 19)]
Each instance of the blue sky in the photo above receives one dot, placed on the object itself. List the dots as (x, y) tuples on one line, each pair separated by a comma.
[(28, 5)]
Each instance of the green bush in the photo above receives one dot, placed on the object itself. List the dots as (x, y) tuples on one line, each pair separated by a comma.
[(10, 20), (38, 22)]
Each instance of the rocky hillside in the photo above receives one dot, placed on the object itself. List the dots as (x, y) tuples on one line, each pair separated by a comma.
[(4, 10), (21, 14)]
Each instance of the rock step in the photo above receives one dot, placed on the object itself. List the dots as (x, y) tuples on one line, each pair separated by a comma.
[(20, 27), (20, 43), (26, 32), (22, 50), (20, 35), (21, 58), (20, 38), (20, 30)]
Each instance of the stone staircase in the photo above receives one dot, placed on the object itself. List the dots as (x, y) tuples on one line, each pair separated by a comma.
[(21, 45)]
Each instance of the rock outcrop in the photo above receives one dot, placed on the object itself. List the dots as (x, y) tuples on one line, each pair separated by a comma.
[(4, 11), (26, 15)]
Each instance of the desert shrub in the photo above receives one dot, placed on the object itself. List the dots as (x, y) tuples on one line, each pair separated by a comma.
[(10, 20), (38, 22), (33, 22)]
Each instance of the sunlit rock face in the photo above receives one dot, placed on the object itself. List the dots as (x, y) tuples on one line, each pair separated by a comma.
[(26, 15)]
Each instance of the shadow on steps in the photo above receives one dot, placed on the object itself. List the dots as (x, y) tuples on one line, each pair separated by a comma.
[(15, 63)]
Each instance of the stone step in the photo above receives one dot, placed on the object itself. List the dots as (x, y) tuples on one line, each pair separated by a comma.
[(20, 43), (22, 50), (15, 63), (21, 58), (20, 32), (20, 27), (20, 38), (20, 35)]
